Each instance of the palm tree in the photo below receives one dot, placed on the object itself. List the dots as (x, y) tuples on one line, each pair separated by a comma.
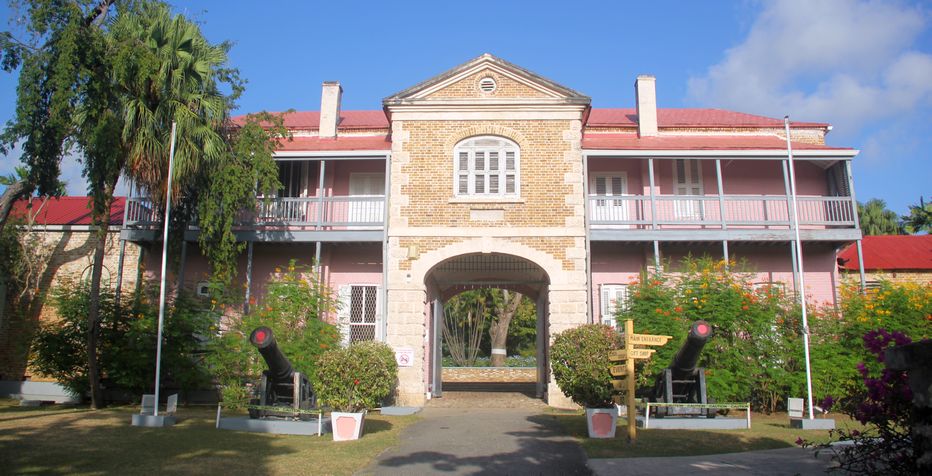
[(174, 81), (153, 70), (877, 219)]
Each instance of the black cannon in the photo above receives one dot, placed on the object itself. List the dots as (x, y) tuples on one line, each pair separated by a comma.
[(280, 385), (683, 381)]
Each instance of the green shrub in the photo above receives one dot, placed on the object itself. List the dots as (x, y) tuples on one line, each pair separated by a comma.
[(579, 358), (357, 377), (291, 307), (127, 343), (755, 351)]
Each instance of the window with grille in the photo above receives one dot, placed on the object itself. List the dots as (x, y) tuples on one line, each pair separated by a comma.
[(359, 313), (613, 298), (486, 167)]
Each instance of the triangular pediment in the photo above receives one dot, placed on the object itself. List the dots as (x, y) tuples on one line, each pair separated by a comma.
[(487, 78)]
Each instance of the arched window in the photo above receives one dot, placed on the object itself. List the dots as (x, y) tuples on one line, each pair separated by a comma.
[(486, 166)]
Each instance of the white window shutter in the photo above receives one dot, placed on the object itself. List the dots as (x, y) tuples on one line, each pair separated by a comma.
[(613, 297), (379, 318), (343, 313)]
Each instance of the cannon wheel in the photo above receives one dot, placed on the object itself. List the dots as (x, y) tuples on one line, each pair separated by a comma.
[(253, 413)]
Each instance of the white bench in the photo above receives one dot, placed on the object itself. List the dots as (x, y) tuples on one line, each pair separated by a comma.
[(148, 405)]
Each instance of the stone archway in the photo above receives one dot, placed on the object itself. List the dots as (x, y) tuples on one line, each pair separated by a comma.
[(471, 271)]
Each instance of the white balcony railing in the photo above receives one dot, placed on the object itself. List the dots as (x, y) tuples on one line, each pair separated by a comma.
[(743, 211), (317, 213)]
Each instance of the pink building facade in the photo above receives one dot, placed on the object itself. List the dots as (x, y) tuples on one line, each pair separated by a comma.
[(490, 175)]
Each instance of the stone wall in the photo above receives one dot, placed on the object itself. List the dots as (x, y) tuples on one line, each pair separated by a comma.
[(490, 374), (69, 255)]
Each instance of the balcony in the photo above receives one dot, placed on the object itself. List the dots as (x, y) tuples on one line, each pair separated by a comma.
[(336, 218), (732, 217)]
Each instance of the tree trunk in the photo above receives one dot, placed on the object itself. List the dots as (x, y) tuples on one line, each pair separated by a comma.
[(498, 330), (93, 309), (13, 192)]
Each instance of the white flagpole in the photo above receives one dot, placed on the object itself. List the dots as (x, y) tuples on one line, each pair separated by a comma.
[(799, 264), (168, 202)]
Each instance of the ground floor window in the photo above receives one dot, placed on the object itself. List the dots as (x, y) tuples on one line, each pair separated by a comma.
[(359, 313), (613, 298)]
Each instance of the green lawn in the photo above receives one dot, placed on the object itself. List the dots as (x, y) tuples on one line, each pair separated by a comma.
[(767, 432), (60, 440)]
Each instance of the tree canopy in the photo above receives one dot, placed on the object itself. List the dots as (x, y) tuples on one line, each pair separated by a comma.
[(877, 219)]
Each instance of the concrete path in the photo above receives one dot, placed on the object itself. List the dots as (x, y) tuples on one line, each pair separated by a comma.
[(488, 441), (504, 433)]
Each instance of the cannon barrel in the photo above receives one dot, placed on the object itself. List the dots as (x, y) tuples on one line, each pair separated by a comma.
[(684, 363), (279, 367)]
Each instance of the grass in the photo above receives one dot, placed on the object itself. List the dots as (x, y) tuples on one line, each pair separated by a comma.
[(767, 432), (63, 440)]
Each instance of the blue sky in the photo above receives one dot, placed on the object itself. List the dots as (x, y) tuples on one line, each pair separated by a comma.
[(863, 66)]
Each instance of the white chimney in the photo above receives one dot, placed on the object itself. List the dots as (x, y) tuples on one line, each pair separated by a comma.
[(645, 90), (330, 108)]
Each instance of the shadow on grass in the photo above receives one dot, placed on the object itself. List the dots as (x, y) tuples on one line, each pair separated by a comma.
[(373, 426), (657, 442), (104, 442)]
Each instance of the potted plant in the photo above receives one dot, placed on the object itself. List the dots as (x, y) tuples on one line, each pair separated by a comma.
[(579, 359), (352, 380)]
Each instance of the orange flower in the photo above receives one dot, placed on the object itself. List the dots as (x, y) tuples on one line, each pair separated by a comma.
[(678, 309), (658, 310)]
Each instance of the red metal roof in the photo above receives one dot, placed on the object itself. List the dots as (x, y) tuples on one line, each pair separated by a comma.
[(341, 143), (889, 253), (690, 142), (702, 118), (310, 120), (625, 117), (66, 210)]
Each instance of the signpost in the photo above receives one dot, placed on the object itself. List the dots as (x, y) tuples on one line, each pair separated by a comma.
[(625, 370)]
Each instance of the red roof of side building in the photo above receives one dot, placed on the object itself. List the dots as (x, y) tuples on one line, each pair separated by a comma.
[(890, 253), (692, 142), (65, 210), (699, 118), (349, 120)]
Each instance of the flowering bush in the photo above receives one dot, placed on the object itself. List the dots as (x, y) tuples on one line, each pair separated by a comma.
[(579, 359), (356, 378), (755, 352), (884, 404), (905, 308), (291, 307)]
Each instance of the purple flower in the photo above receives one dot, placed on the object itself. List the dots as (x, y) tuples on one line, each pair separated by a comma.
[(827, 403)]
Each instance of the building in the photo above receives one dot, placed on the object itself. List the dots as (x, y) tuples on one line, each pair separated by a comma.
[(62, 239), (490, 175), (896, 258)]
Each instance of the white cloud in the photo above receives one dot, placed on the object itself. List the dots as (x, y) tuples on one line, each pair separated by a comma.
[(848, 62)]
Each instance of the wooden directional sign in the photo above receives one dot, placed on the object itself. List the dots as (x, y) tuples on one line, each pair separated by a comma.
[(633, 354), (619, 370), (646, 339), (619, 384)]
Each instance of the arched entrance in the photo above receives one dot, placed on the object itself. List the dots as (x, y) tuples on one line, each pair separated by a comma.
[(472, 271)]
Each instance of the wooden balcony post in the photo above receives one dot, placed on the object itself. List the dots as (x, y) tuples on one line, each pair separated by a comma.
[(721, 206), (320, 195), (857, 223), (789, 216), (653, 210)]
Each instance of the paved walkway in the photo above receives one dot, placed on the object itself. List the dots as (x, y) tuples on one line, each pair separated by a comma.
[(482, 439), (508, 433)]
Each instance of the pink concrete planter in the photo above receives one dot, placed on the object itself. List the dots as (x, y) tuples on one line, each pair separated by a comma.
[(601, 422), (347, 426)]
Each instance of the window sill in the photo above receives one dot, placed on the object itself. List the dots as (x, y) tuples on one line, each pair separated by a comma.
[(483, 200)]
